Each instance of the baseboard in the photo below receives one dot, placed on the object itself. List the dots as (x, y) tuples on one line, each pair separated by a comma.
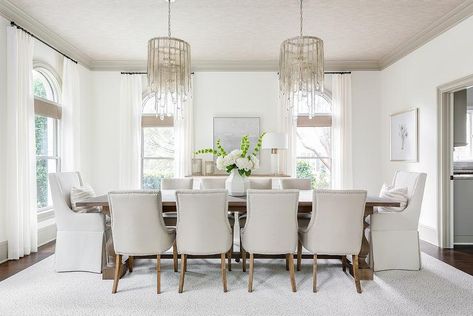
[(47, 233), (3, 251), (428, 234)]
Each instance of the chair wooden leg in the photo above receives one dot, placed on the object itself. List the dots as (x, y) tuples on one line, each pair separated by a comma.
[(299, 255), (243, 259), (250, 277), (314, 274), (118, 268), (224, 272), (174, 255), (287, 263), (183, 271), (290, 259), (185, 263), (229, 255), (130, 264), (158, 271), (344, 263), (356, 273)]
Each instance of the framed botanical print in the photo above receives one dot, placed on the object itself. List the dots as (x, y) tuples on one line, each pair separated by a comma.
[(404, 136)]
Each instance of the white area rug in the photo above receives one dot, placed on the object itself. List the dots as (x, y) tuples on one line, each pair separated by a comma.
[(438, 289)]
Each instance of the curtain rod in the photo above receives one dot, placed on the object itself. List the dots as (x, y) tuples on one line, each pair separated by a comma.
[(145, 73), (13, 24)]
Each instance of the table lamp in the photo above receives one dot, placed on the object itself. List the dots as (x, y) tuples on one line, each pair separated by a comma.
[(275, 141)]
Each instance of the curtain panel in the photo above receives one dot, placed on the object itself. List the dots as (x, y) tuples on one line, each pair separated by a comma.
[(20, 173), (184, 144), (342, 173), (130, 132)]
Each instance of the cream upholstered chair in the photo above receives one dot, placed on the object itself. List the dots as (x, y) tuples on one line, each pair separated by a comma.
[(203, 227), (261, 184), (138, 229), (80, 236), (271, 227), (394, 235), (177, 183), (170, 218), (211, 183), (335, 229), (296, 184)]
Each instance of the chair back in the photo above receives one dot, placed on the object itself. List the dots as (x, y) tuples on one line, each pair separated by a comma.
[(61, 184), (202, 222), (271, 225), (137, 223), (296, 184), (211, 184), (177, 184), (415, 184), (337, 227), (261, 184)]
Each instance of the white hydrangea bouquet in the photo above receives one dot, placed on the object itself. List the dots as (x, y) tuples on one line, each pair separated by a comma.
[(237, 159)]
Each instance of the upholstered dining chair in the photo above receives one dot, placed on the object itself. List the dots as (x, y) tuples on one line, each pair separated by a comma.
[(394, 234), (335, 229), (271, 227), (170, 218), (261, 184), (80, 236), (138, 229), (212, 183), (295, 184), (203, 227)]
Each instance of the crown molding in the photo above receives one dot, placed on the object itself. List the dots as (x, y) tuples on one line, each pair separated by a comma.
[(226, 65), (454, 17), (12, 13)]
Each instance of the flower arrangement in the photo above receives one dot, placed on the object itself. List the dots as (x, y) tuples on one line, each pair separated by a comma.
[(238, 159)]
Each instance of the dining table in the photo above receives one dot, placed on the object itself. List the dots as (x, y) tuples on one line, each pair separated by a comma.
[(237, 204)]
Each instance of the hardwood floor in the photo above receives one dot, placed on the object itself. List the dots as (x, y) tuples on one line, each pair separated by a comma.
[(9, 268), (459, 257)]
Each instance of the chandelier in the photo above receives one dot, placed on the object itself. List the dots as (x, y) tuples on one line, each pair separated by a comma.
[(301, 72), (169, 72)]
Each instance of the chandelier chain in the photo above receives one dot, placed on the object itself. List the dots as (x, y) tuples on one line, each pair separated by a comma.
[(169, 18), (301, 17)]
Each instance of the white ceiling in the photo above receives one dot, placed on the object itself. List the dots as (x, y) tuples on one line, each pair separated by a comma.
[(238, 30)]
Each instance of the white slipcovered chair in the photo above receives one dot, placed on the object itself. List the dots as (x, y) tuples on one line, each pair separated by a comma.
[(261, 184), (210, 183), (138, 229), (296, 184), (394, 235), (203, 227), (271, 227), (170, 218), (80, 236), (335, 229)]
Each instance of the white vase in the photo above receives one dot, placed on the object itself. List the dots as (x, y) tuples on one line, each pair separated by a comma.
[(235, 184)]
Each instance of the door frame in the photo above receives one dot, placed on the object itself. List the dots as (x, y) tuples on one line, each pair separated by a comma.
[(445, 157)]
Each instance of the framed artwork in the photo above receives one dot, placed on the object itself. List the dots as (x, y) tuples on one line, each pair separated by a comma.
[(230, 130), (404, 136)]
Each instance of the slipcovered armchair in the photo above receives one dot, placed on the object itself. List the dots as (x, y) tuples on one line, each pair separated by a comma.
[(80, 236), (394, 235)]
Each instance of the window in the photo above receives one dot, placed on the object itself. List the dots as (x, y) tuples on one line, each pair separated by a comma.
[(314, 146), (47, 115), (157, 149), (465, 153)]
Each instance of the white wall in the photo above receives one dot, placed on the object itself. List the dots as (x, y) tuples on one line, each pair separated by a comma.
[(412, 82)]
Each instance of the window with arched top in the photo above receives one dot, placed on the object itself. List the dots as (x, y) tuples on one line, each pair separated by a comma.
[(46, 91), (158, 146), (314, 144)]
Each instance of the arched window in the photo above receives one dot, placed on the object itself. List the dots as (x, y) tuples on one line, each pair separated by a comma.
[(158, 146), (314, 145), (47, 114)]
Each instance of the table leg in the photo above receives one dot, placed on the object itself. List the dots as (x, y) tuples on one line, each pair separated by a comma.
[(365, 269)]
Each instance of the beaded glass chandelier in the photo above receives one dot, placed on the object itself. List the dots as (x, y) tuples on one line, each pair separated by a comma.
[(169, 72), (301, 72)]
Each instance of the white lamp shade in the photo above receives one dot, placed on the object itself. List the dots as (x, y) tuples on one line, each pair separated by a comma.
[(275, 141)]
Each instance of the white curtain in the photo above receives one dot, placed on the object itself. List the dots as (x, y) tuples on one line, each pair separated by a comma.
[(288, 125), (342, 174), (129, 173), (70, 119), (183, 135), (20, 174)]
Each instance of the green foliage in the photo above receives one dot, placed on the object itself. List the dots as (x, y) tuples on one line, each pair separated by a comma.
[(221, 151), (207, 151), (38, 89), (258, 144), (320, 179), (41, 127)]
